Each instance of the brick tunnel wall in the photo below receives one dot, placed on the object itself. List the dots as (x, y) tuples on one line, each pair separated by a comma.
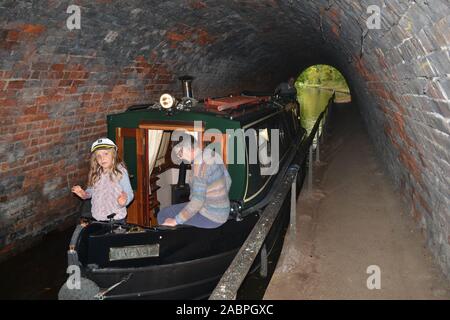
[(57, 85), (401, 84)]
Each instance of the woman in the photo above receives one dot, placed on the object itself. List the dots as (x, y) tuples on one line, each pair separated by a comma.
[(209, 205)]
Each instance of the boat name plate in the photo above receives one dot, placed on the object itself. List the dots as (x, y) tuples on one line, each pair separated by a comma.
[(134, 252)]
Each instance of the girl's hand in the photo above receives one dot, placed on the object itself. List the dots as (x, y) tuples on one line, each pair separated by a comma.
[(170, 222), (79, 192), (122, 199)]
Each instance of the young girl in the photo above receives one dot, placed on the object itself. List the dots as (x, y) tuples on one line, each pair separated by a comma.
[(108, 184)]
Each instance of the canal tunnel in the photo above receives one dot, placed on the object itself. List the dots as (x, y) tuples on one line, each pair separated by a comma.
[(64, 68)]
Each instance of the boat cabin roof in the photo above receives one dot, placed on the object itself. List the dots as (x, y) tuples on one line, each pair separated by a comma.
[(243, 113)]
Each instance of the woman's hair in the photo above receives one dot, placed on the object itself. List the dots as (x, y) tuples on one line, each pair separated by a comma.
[(96, 170)]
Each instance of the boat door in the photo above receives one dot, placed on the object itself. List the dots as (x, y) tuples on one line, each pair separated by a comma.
[(138, 212), (153, 157)]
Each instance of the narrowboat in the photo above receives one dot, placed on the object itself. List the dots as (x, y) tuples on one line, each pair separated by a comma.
[(142, 260)]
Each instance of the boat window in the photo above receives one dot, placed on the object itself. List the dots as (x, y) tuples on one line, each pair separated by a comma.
[(264, 149), (283, 136), (261, 135)]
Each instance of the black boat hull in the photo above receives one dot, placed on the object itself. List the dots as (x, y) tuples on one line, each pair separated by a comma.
[(192, 279), (187, 262)]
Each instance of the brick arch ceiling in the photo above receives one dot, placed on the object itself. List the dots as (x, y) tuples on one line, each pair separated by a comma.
[(56, 81)]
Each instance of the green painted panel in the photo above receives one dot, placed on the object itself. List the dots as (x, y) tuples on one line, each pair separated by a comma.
[(132, 119), (129, 156)]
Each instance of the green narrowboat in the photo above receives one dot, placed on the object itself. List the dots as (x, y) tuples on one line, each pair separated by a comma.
[(142, 260)]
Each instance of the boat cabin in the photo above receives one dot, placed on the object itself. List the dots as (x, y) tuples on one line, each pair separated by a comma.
[(140, 259), (230, 126)]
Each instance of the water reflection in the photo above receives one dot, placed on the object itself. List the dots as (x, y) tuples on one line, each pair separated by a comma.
[(312, 102)]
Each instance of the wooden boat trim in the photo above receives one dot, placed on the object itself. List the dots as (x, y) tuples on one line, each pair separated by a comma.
[(171, 125)]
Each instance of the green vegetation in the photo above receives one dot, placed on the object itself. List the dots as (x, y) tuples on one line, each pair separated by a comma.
[(312, 102), (322, 76), (314, 87)]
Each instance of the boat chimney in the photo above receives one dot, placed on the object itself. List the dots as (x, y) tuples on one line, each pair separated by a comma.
[(186, 83)]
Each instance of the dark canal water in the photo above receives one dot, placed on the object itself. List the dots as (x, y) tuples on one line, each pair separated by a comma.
[(39, 272)]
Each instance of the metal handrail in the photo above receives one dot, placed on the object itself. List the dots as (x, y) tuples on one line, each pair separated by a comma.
[(233, 277)]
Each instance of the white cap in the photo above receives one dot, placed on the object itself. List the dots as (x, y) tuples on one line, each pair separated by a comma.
[(103, 143)]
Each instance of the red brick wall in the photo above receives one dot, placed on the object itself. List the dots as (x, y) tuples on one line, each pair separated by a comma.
[(51, 110), (57, 86)]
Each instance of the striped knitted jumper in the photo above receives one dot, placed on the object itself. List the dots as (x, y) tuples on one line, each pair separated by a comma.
[(209, 192)]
